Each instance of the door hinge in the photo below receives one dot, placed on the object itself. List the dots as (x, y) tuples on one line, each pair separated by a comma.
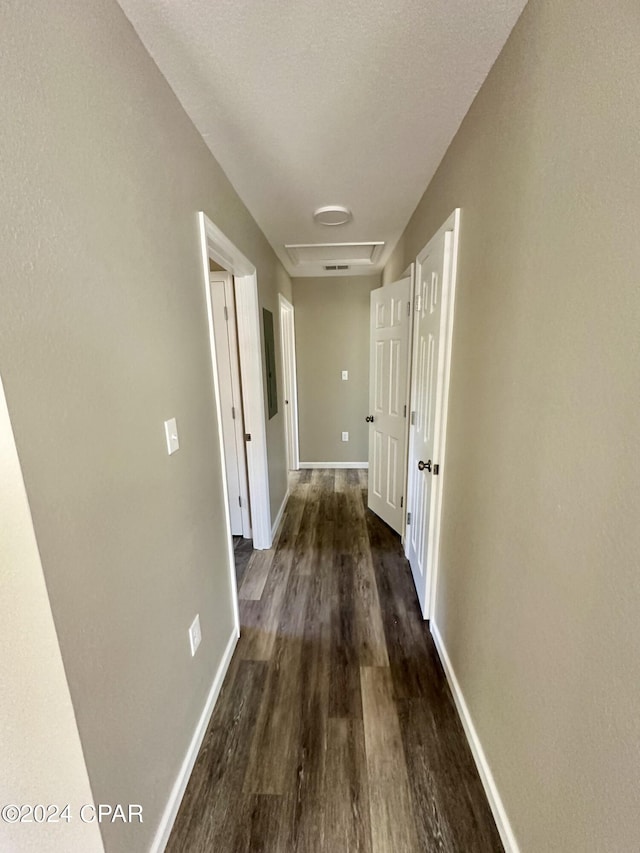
[(417, 304), (436, 469), (401, 502), (233, 412), (405, 411), (247, 436), (408, 309), (226, 314), (413, 418), (408, 518), (239, 501)]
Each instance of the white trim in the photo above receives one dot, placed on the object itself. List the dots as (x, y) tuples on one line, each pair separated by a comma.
[(283, 506), (289, 380), (223, 251), (307, 465), (179, 786), (491, 789), (217, 246), (231, 562)]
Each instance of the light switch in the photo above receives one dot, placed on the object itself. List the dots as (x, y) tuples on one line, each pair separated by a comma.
[(345, 436), (345, 374), (171, 433)]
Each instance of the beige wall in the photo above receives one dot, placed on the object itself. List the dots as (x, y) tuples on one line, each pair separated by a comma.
[(36, 766), (539, 595), (103, 335), (332, 335), (395, 265)]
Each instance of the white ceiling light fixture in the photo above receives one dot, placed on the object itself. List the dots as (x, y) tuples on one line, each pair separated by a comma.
[(332, 214)]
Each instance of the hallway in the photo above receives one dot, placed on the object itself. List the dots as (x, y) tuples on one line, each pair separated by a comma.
[(335, 729)]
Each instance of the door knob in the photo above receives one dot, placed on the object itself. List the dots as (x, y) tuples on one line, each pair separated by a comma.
[(424, 465), (369, 419)]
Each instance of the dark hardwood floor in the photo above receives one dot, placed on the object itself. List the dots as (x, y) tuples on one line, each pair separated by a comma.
[(335, 730), (242, 551)]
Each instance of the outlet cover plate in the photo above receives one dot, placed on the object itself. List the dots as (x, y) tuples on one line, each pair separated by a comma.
[(195, 635), (171, 434)]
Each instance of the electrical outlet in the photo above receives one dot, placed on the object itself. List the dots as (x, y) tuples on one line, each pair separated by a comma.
[(171, 434), (345, 374), (345, 436), (195, 635)]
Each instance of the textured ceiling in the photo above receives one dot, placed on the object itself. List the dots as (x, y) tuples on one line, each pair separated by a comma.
[(306, 104)]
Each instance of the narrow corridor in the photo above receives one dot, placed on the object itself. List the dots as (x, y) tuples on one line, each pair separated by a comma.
[(335, 729)]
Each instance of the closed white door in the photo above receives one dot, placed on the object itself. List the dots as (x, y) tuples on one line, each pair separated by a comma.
[(223, 310), (433, 317), (388, 376)]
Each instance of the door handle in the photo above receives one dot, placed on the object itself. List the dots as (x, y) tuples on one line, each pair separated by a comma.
[(369, 419), (422, 466)]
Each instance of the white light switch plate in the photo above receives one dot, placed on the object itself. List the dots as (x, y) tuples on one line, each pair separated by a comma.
[(195, 635), (345, 374), (171, 434), (345, 436)]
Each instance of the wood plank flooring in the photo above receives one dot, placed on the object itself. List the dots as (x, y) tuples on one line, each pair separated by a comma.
[(335, 731), (242, 551)]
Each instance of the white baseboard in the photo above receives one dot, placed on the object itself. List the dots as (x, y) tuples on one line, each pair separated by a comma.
[(283, 506), (491, 790), (307, 465), (177, 792)]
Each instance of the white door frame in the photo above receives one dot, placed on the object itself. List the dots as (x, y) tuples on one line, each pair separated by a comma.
[(290, 381), (214, 244), (440, 431)]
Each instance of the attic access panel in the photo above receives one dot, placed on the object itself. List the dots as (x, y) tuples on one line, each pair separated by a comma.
[(353, 254)]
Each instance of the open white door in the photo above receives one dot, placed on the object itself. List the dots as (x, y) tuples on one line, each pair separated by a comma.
[(288, 348), (433, 326), (224, 327), (388, 373)]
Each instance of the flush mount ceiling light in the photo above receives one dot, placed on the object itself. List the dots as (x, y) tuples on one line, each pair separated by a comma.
[(332, 214)]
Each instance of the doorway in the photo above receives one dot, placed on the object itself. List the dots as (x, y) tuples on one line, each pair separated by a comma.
[(232, 414), (216, 246), (288, 352)]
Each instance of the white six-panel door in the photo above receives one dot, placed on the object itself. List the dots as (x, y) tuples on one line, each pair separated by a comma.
[(433, 318), (388, 376)]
